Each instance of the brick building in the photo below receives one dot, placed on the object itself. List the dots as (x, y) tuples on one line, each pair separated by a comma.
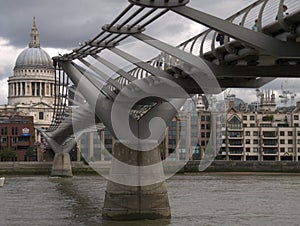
[(17, 136)]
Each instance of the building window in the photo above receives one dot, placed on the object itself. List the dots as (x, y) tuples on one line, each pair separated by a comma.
[(255, 133), (290, 149), (252, 118), (290, 141), (299, 150), (247, 133), (282, 150), (234, 123), (298, 141), (247, 141), (255, 141), (296, 117), (290, 133), (282, 141), (244, 117), (296, 124), (252, 125), (281, 133), (247, 149), (41, 115), (255, 149), (14, 140)]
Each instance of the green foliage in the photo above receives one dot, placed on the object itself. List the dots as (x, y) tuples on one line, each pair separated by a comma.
[(7, 154), (31, 152)]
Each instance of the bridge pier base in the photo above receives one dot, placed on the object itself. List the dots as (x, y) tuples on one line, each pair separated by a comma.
[(62, 165), (126, 202)]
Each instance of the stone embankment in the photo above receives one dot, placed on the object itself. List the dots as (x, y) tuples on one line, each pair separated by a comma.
[(44, 168)]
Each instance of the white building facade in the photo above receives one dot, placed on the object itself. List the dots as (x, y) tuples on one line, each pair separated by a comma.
[(256, 136)]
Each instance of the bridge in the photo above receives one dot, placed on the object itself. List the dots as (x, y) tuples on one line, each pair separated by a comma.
[(136, 103)]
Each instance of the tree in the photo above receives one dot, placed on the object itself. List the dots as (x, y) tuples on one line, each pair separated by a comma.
[(30, 153), (7, 155)]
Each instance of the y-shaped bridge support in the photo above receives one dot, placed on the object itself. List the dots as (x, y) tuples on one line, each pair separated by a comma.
[(136, 189)]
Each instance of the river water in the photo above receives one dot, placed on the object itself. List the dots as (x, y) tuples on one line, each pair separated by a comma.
[(200, 199)]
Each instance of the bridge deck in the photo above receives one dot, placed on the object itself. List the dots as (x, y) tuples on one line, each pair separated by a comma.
[(133, 20)]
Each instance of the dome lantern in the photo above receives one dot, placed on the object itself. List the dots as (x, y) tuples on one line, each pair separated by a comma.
[(34, 36)]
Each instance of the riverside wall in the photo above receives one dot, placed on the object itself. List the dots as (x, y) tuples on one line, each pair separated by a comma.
[(246, 166), (44, 168)]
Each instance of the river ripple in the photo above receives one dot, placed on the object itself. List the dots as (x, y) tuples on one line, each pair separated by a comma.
[(200, 199)]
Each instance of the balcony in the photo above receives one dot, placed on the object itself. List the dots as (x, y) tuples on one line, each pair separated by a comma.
[(270, 145), (270, 135), (235, 128), (235, 137), (236, 145), (270, 151), (235, 152)]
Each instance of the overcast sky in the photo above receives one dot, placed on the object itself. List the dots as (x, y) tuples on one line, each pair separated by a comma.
[(62, 25)]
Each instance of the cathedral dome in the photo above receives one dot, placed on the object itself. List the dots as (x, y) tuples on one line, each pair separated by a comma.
[(34, 56)]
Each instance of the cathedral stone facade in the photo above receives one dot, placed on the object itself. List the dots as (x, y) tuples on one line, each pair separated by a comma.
[(31, 89)]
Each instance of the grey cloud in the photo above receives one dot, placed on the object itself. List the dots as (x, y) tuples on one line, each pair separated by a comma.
[(61, 24)]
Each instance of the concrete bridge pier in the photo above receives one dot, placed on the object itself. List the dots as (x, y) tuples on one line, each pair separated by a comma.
[(62, 165), (147, 197)]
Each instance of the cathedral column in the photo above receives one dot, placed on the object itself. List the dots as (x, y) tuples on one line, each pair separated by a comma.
[(35, 89), (17, 89), (30, 88), (10, 90), (14, 89), (21, 89), (40, 88)]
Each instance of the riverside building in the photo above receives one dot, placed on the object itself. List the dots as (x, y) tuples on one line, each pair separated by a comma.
[(262, 134), (16, 137)]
